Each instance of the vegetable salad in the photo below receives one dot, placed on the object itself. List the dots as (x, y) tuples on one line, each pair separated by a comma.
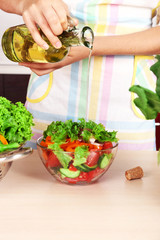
[(78, 151)]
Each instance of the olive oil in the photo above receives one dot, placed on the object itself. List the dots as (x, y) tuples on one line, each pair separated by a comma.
[(19, 46), (87, 90)]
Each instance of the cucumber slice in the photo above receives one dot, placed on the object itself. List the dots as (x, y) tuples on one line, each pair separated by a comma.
[(104, 160), (68, 173), (81, 168), (86, 168)]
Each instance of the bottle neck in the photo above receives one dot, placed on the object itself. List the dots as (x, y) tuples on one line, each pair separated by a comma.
[(75, 37), (70, 38), (87, 37)]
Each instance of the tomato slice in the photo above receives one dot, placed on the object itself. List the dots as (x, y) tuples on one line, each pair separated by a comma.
[(93, 157), (107, 145), (83, 177), (45, 154), (52, 160), (71, 180), (86, 176), (94, 173), (72, 168)]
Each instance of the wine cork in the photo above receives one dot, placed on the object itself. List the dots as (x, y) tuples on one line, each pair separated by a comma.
[(134, 173)]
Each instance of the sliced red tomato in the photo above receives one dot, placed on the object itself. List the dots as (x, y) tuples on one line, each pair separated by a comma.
[(108, 145), (86, 176), (83, 177), (71, 180), (94, 173), (52, 160), (93, 157), (45, 154), (72, 168)]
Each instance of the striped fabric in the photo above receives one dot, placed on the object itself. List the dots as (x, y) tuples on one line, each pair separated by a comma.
[(62, 95)]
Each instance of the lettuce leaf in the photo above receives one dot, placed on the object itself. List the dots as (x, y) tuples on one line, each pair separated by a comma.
[(80, 155), (148, 101), (15, 121), (60, 131), (62, 156)]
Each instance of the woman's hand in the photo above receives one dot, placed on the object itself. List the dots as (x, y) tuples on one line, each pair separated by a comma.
[(75, 54), (49, 15)]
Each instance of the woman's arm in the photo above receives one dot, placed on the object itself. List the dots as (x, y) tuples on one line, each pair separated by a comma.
[(141, 43), (146, 42)]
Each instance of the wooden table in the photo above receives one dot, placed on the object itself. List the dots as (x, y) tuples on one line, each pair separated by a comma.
[(35, 206)]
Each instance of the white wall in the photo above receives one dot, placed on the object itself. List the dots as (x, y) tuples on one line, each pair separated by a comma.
[(6, 66)]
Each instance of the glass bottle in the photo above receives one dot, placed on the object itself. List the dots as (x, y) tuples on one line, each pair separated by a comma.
[(19, 46)]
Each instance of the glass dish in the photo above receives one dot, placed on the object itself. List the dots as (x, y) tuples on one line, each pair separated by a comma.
[(98, 162)]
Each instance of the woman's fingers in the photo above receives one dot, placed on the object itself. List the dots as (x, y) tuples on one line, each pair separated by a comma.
[(32, 26), (50, 16), (40, 68)]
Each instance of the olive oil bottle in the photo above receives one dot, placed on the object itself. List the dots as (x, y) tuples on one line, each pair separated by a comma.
[(19, 46)]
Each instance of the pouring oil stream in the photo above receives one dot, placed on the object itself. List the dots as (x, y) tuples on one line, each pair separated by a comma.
[(87, 95)]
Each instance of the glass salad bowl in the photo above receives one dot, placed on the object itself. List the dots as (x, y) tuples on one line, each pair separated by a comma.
[(76, 162)]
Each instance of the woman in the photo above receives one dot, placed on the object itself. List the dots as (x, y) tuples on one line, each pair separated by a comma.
[(123, 36)]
